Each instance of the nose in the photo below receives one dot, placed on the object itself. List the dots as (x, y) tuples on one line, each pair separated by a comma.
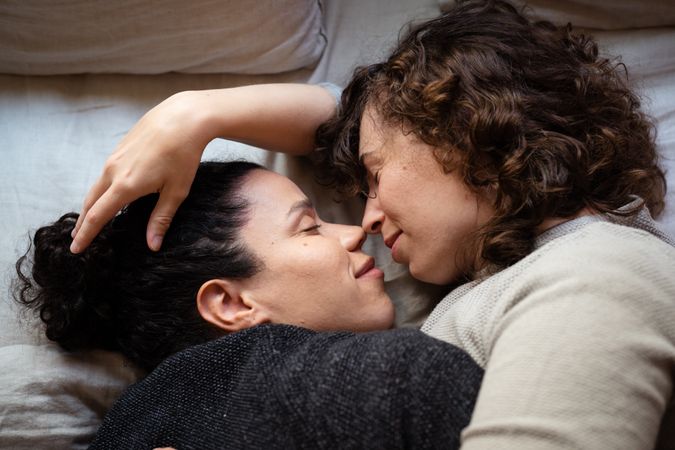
[(350, 237), (372, 217)]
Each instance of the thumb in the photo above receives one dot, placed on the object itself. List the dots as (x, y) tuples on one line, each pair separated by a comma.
[(161, 218)]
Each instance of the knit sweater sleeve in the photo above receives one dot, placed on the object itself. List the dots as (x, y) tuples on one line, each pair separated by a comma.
[(582, 355)]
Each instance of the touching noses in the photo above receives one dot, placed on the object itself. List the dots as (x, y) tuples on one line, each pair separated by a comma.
[(372, 217), (350, 237)]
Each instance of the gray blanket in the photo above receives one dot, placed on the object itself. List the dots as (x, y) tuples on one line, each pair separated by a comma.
[(278, 386)]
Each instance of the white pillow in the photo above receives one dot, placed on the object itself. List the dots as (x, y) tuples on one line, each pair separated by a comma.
[(40, 37), (56, 400), (601, 15)]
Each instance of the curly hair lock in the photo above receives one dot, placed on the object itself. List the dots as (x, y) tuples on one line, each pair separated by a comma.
[(527, 108)]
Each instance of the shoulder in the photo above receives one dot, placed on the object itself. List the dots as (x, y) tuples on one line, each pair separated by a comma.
[(602, 259), (600, 266), (382, 352), (604, 241), (603, 267), (581, 328)]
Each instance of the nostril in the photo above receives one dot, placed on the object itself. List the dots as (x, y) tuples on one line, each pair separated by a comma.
[(362, 241), (375, 227)]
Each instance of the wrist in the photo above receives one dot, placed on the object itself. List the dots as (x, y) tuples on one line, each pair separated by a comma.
[(198, 116)]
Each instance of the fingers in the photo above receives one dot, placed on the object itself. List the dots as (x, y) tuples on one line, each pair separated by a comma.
[(101, 212), (159, 154), (161, 217), (96, 191)]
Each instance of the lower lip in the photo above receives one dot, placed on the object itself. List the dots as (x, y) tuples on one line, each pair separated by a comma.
[(394, 247), (373, 273)]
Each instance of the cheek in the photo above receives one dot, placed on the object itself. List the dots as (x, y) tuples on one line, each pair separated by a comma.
[(405, 195), (306, 262), (390, 200)]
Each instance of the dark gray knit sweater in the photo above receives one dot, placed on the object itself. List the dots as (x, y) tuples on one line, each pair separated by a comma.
[(278, 386)]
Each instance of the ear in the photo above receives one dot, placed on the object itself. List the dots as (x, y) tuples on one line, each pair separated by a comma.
[(224, 304)]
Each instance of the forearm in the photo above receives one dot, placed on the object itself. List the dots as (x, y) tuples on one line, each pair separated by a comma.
[(162, 151), (278, 117)]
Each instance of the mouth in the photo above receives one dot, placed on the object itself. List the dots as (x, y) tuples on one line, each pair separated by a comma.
[(367, 268), (391, 240)]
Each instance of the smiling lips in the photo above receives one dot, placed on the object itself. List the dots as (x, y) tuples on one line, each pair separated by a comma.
[(369, 271), (369, 265), (391, 240)]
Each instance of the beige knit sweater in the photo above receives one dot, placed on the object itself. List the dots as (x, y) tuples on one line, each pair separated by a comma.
[(577, 339)]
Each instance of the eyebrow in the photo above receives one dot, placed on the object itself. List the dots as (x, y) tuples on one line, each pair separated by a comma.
[(301, 205)]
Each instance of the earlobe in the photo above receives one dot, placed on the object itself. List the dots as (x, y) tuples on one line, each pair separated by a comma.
[(222, 303)]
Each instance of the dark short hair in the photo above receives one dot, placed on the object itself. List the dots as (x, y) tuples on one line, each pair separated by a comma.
[(119, 295), (525, 108)]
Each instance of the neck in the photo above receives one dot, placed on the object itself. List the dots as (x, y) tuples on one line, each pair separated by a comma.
[(551, 222)]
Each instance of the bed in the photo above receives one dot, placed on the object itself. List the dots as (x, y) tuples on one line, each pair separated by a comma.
[(89, 74)]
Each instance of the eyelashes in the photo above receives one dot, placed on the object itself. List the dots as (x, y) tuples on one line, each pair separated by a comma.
[(312, 229), (366, 191)]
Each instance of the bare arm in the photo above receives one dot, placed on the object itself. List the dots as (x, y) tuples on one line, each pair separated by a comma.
[(278, 117), (162, 151)]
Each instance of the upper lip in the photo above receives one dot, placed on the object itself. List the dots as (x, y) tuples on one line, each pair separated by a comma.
[(369, 264), (389, 242)]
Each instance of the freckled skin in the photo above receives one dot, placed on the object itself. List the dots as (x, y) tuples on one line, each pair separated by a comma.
[(433, 213)]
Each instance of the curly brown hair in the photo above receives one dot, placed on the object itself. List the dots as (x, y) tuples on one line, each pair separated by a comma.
[(526, 108)]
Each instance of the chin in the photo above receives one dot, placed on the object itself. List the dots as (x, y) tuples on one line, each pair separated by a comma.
[(390, 321), (382, 326), (432, 276), (385, 318)]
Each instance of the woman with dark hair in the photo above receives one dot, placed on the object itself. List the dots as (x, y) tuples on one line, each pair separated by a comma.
[(226, 317), (507, 154)]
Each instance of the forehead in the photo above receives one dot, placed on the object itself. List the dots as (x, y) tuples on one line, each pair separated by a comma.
[(374, 136), (381, 142), (270, 195), (371, 132)]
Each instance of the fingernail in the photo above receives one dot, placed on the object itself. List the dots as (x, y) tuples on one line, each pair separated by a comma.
[(156, 242), (74, 248)]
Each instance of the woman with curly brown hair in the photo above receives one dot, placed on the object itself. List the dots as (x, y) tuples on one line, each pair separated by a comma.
[(507, 154)]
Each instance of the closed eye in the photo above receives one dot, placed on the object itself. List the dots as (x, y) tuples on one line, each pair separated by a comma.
[(367, 192), (312, 229)]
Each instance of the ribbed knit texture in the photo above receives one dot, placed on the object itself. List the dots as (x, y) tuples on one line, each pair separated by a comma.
[(578, 340), (278, 386)]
